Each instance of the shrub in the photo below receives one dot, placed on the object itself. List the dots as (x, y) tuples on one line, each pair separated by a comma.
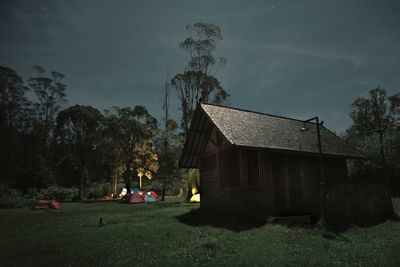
[(12, 198), (56, 192), (7, 202), (95, 190)]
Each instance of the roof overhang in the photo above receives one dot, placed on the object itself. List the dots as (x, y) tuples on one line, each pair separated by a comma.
[(196, 140)]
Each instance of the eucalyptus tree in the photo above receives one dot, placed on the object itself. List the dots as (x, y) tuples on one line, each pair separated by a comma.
[(197, 81), (76, 136), (145, 160), (168, 145), (14, 114), (125, 129), (169, 148), (13, 100), (50, 95)]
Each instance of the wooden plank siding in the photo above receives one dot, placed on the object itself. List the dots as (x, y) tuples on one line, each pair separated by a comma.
[(280, 183), (270, 169)]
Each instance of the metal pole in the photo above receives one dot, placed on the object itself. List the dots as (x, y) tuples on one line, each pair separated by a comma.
[(322, 174), (322, 178)]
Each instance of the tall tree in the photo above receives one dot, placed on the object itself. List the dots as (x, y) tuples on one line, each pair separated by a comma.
[(169, 149), (165, 145), (201, 45), (77, 131), (125, 128), (14, 114), (50, 94), (197, 82), (13, 101), (145, 161), (375, 127), (375, 113)]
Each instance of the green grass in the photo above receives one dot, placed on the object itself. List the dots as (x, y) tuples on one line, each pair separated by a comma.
[(157, 235)]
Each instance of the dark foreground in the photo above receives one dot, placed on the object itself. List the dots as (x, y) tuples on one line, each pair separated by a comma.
[(163, 234)]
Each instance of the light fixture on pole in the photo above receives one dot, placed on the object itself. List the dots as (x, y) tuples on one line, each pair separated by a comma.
[(321, 166)]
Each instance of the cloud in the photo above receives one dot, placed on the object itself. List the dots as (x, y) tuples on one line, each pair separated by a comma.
[(302, 51), (296, 59)]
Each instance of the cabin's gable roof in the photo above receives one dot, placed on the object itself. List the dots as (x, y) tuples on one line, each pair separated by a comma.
[(257, 130)]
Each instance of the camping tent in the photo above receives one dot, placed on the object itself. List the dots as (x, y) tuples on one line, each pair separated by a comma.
[(140, 197), (44, 204), (195, 198), (133, 198), (136, 198), (151, 197), (124, 191), (154, 194)]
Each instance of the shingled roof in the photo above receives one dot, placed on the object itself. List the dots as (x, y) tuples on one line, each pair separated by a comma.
[(257, 130)]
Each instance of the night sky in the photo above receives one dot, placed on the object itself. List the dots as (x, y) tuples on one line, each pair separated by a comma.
[(290, 58)]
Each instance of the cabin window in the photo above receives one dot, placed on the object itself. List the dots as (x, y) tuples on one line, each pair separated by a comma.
[(253, 168), (208, 163), (229, 170)]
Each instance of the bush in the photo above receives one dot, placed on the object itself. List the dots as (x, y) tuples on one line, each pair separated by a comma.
[(12, 198), (95, 190), (57, 192), (8, 202)]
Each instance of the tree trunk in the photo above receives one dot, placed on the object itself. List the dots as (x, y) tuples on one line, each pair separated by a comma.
[(84, 175), (189, 190), (383, 160), (115, 184), (128, 184), (163, 189), (138, 180), (127, 176), (81, 189)]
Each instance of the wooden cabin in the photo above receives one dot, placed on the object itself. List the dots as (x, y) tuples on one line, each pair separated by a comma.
[(257, 164)]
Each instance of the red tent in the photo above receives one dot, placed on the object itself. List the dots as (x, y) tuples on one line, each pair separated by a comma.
[(124, 199), (133, 198), (137, 198), (154, 194), (54, 204), (44, 204)]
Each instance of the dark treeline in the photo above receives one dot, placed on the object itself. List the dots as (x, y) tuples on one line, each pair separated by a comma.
[(376, 132), (50, 149), (79, 146)]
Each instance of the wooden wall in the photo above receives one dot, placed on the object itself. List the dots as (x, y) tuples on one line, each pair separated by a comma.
[(283, 183), (258, 182)]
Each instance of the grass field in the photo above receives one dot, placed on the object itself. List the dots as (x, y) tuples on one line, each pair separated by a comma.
[(173, 234)]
